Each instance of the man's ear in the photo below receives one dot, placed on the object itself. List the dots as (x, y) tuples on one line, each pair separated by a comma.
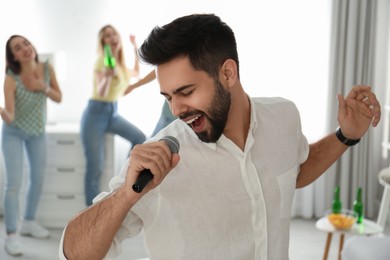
[(229, 72)]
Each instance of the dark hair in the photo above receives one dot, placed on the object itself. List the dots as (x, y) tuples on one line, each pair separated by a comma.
[(10, 61), (204, 38)]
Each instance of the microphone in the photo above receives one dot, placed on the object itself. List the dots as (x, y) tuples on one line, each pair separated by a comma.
[(145, 176)]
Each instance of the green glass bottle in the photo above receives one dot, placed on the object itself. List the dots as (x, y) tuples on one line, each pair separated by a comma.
[(109, 59), (336, 203), (358, 206)]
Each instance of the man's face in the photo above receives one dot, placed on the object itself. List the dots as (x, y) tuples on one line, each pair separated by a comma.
[(195, 97)]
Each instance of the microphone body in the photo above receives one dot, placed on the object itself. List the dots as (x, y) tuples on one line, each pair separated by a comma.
[(145, 176)]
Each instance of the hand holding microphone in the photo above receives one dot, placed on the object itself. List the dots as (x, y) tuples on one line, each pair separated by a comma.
[(145, 176)]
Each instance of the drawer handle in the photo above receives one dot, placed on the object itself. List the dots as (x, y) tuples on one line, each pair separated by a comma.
[(65, 142), (66, 197), (65, 169)]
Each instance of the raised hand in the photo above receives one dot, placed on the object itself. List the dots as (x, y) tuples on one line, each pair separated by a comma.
[(133, 41), (358, 111)]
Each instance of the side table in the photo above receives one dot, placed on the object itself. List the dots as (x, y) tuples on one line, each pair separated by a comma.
[(368, 227)]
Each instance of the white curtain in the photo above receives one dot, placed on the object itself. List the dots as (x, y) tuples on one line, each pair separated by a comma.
[(359, 40)]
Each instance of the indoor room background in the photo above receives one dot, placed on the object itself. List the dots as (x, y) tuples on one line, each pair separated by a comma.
[(283, 45)]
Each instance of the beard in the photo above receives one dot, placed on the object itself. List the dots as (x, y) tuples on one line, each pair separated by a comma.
[(217, 114)]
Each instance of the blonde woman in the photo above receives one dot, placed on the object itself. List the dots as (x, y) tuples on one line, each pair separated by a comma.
[(101, 114)]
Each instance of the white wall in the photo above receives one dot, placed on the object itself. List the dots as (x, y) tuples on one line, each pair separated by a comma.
[(283, 48)]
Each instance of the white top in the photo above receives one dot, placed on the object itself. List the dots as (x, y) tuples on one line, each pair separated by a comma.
[(220, 202)]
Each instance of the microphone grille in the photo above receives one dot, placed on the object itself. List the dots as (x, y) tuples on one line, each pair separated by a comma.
[(172, 142)]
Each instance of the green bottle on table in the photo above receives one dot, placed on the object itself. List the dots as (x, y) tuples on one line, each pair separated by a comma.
[(358, 206), (336, 203), (109, 59)]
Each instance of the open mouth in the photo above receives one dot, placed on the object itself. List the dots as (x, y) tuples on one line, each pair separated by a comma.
[(196, 122)]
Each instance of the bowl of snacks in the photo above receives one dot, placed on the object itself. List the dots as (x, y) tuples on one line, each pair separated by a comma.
[(343, 220)]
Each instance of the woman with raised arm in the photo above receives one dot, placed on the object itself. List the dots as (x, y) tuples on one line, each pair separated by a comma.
[(110, 82)]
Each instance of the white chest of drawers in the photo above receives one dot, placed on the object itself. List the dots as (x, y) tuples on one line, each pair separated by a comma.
[(63, 191)]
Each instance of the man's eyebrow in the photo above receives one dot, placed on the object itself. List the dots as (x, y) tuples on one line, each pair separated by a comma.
[(177, 90)]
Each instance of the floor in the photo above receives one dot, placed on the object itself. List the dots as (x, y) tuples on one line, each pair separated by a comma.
[(306, 243)]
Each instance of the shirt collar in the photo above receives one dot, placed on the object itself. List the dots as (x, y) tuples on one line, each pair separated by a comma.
[(253, 122)]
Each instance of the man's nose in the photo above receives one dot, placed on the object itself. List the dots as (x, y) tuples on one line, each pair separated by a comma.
[(176, 106)]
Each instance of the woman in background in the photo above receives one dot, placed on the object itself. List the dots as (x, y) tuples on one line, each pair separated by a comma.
[(27, 84), (101, 114)]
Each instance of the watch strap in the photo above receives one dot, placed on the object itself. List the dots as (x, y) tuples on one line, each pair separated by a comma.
[(345, 140)]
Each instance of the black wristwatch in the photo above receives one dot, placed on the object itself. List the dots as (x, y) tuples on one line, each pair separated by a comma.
[(345, 140)]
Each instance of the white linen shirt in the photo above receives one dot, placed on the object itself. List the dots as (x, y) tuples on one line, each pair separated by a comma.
[(220, 202)]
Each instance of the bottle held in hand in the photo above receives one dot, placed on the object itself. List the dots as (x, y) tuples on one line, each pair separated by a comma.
[(109, 59)]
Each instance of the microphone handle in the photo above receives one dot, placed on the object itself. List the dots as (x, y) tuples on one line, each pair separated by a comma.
[(143, 178), (146, 175)]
